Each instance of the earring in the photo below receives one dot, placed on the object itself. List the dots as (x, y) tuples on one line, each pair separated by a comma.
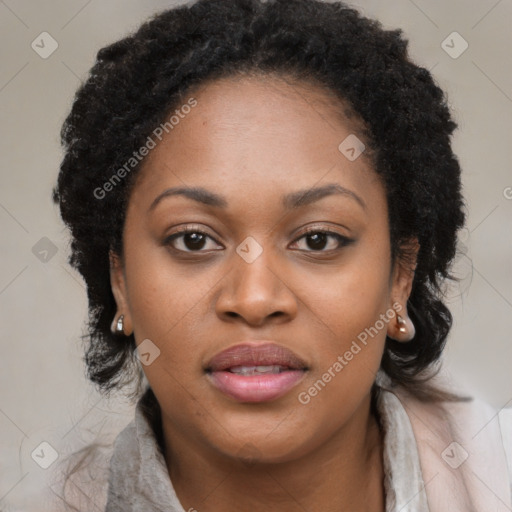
[(406, 329), (402, 324), (117, 327)]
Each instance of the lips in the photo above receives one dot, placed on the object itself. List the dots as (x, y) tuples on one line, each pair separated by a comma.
[(255, 371), (250, 354)]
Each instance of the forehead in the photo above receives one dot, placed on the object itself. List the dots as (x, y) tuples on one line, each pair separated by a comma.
[(264, 133)]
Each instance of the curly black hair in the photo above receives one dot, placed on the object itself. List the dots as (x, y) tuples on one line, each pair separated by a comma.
[(138, 81)]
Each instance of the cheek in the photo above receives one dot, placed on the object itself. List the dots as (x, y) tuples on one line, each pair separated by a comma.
[(162, 301), (348, 311), (161, 292), (350, 327), (350, 351), (349, 298), (163, 304)]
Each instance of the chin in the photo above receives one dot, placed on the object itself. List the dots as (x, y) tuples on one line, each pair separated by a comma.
[(261, 448)]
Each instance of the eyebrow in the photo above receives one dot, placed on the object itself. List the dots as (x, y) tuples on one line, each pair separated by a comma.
[(293, 200)]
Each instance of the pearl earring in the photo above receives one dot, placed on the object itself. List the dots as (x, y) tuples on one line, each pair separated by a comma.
[(117, 327), (402, 324), (406, 329)]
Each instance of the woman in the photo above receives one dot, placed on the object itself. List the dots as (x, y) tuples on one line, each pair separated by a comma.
[(264, 204)]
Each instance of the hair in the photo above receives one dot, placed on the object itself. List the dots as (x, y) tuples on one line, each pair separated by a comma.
[(139, 80)]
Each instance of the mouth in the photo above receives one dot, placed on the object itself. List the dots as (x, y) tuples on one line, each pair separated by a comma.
[(255, 371)]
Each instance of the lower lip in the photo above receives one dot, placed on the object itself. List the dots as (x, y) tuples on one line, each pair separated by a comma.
[(256, 388)]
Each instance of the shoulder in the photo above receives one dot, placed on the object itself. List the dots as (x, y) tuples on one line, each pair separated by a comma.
[(80, 480), (505, 421), (81, 477), (469, 438)]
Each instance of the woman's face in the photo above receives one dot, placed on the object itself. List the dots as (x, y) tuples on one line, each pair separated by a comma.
[(265, 156)]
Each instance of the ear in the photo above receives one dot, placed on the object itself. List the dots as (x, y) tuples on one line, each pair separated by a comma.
[(119, 290), (401, 285)]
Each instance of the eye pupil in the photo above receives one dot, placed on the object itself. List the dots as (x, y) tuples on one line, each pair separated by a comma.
[(193, 240), (318, 240)]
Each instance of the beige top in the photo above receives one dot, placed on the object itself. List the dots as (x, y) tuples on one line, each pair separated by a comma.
[(139, 479)]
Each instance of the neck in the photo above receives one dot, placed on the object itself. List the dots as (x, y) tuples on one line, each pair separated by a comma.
[(344, 473)]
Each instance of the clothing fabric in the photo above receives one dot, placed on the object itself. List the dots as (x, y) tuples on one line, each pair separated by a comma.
[(433, 460)]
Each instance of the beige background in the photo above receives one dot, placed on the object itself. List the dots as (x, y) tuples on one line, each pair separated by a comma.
[(43, 393)]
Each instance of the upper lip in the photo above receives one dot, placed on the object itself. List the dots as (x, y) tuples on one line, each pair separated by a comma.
[(255, 354)]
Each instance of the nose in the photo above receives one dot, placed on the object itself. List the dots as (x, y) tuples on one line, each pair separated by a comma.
[(256, 293)]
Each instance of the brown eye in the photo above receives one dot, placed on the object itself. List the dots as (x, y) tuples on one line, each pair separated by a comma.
[(189, 240), (319, 240)]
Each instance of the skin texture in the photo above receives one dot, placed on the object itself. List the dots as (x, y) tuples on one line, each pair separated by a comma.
[(253, 140)]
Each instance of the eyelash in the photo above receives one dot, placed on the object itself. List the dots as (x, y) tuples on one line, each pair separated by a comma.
[(342, 240)]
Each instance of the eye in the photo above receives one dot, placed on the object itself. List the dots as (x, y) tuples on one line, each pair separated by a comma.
[(318, 239), (189, 239)]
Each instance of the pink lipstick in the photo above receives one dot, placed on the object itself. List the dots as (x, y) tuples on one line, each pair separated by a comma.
[(255, 371)]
